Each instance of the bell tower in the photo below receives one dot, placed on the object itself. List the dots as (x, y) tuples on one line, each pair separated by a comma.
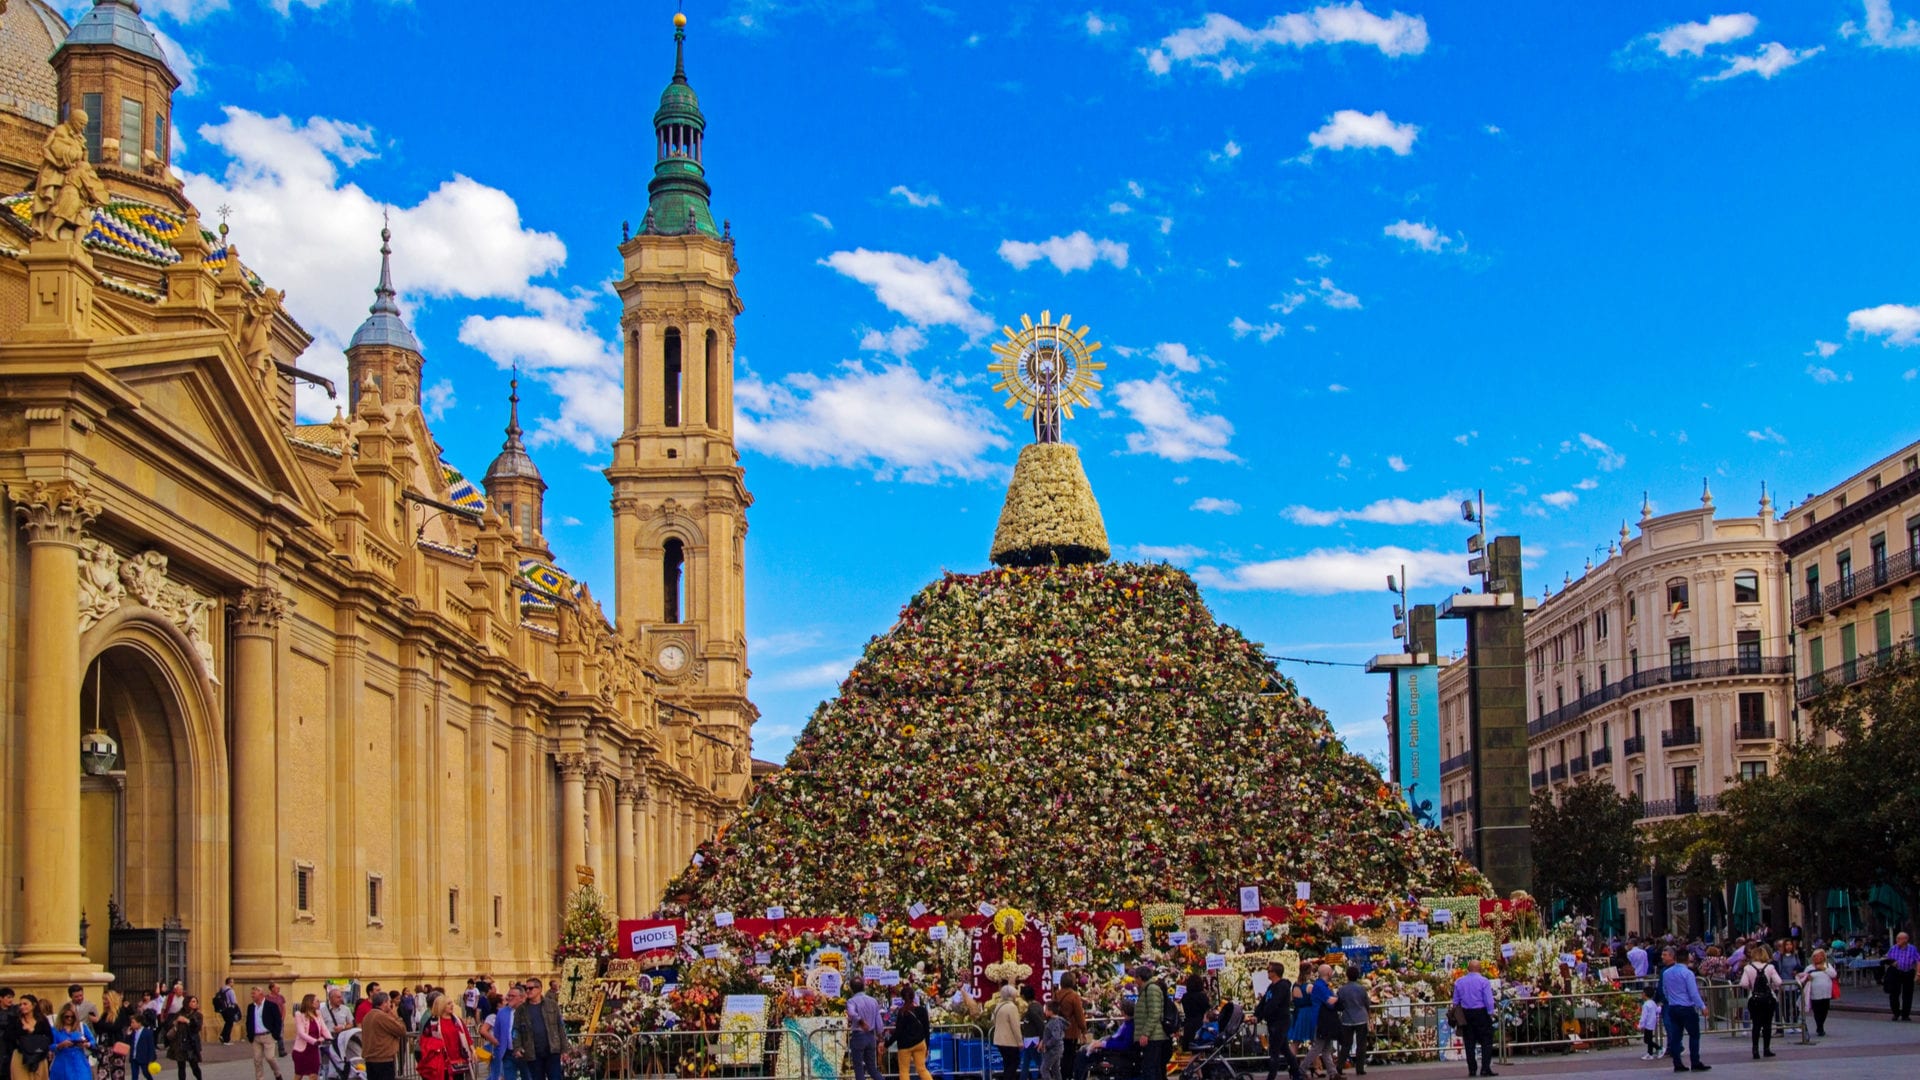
[(679, 495)]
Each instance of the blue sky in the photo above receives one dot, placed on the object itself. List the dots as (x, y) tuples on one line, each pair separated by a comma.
[(1349, 262)]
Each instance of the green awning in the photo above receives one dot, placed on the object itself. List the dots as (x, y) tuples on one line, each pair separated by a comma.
[(1840, 911), (1887, 903), (1746, 908)]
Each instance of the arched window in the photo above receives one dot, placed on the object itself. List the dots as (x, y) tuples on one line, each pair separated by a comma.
[(673, 580), (713, 380), (1746, 587), (670, 379), (1677, 595)]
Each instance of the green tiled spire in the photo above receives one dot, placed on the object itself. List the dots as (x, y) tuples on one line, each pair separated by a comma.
[(677, 195)]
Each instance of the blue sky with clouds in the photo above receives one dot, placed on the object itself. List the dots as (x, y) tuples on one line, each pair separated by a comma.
[(1350, 262)]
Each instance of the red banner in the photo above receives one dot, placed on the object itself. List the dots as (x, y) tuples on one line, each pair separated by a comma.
[(643, 937), (1025, 958)]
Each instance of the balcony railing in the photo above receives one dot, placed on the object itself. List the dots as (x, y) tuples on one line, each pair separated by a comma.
[(1577, 766), (1602, 755), (1635, 744), (1557, 773), (1457, 762), (1688, 671), (1851, 671), (1751, 731), (1540, 779), (1685, 804), (1856, 586), (1680, 736)]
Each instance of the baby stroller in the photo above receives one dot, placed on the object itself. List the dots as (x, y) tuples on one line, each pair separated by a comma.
[(340, 1057), (1122, 1064), (1209, 1058)]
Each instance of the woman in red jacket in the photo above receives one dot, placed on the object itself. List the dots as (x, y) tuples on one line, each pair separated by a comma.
[(446, 1050)]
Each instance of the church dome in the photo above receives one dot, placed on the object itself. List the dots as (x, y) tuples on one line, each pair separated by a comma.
[(117, 22), (29, 32), (513, 461)]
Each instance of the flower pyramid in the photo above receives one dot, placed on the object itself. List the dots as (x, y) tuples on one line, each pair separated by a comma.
[(1066, 738)]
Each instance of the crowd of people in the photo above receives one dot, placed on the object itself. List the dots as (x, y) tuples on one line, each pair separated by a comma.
[(515, 1031)]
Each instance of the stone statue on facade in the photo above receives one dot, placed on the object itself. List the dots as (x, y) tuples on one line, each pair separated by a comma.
[(67, 189), (256, 331)]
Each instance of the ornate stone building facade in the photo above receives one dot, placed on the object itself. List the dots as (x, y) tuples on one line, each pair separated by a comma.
[(304, 689), (1664, 670)]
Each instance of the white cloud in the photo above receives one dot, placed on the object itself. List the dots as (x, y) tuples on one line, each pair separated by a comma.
[(1560, 500), (1898, 323), (1419, 234), (914, 198), (1177, 356), (1207, 504), (823, 221), (1466, 437), (1883, 29), (901, 341), (435, 400), (1694, 38), (1605, 457), (1166, 225), (561, 350), (1823, 349), (1177, 554), (1136, 189), (1336, 388), (1396, 511), (186, 11), (1351, 129), (1327, 293), (1772, 59), (934, 293), (1824, 375), (785, 643), (1170, 427), (1397, 463), (1767, 435), (1078, 251), (1491, 129), (185, 66), (891, 419), (1225, 153), (1228, 47), (1325, 571), (1118, 207), (1097, 24), (315, 235), (824, 675), (1267, 331), (1587, 485)]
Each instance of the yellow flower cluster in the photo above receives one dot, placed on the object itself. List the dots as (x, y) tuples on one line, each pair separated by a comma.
[(1050, 515)]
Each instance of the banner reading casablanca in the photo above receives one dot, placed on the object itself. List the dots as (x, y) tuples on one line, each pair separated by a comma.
[(1416, 695)]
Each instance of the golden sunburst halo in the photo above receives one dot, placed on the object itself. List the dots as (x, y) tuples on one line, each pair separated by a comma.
[(1046, 361)]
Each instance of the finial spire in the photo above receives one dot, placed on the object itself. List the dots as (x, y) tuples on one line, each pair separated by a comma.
[(1766, 501), (513, 408), (1646, 506), (383, 302), (1706, 492), (680, 47)]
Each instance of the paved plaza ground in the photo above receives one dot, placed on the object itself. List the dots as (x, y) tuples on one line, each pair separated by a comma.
[(1858, 1045)]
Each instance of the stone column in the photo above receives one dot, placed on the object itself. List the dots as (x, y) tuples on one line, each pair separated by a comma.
[(56, 516), (573, 815), (255, 839), (646, 892), (623, 795)]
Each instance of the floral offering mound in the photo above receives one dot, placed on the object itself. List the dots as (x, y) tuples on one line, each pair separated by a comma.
[(1066, 739), (1050, 516)]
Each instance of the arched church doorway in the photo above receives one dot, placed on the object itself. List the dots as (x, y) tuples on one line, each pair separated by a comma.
[(151, 847)]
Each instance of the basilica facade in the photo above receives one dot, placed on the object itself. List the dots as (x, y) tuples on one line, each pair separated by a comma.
[(305, 695)]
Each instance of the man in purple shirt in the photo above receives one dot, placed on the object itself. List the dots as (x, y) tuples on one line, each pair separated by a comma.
[(1473, 996), (863, 1032), (1903, 956)]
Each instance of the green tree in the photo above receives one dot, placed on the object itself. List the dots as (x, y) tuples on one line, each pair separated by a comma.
[(1693, 846), (1877, 754), (1786, 829), (1584, 845)]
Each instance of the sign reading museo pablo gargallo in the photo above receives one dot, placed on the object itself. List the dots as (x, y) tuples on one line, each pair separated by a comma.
[(1417, 698)]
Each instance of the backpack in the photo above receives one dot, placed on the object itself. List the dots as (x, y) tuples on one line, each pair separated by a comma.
[(1762, 990), (1169, 1012)]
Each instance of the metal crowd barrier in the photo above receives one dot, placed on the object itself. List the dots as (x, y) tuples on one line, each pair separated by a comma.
[(800, 1050)]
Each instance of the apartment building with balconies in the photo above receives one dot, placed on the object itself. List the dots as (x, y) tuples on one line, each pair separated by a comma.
[(1664, 670), (1854, 555)]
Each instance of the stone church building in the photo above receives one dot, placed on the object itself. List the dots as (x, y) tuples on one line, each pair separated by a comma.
[(305, 692)]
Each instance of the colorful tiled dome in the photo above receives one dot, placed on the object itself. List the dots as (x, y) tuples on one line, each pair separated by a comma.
[(461, 491), (135, 230), (548, 578)]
